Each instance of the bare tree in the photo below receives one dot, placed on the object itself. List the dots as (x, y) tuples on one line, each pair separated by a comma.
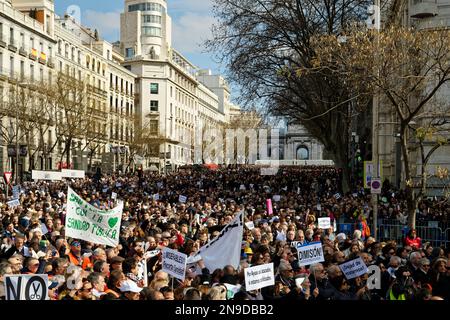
[(264, 43), (410, 70)]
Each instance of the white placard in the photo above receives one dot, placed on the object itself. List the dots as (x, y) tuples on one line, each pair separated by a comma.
[(156, 197), (13, 203), (74, 174), (250, 225), (182, 199), (242, 187), (259, 277), (44, 229), (26, 287), (310, 254), (324, 223), (354, 268), (46, 175), (113, 195), (174, 263), (276, 198)]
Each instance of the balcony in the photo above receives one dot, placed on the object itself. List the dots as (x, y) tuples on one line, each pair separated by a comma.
[(2, 43), (23, 51), (51, 64), (422, 9), (12, 46)]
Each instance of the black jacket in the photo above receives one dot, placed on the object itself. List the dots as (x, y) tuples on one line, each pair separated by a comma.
[(326, 290)]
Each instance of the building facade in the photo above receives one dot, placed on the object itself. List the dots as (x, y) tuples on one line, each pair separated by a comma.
[(43, 51)]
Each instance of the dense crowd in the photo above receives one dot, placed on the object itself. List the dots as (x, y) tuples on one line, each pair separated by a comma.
[(33, 239)]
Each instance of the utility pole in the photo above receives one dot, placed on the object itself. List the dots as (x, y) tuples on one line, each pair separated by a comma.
[(376, 15)]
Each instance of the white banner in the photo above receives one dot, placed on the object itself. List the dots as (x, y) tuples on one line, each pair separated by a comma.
[(324, 223), (88, 223), (13, 203), (26, 287), (354, 268), (225, 249), (46, 175), (310, 254), (174, 263), (259, 277), (74, 174)]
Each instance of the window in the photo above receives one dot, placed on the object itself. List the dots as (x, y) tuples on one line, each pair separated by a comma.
[(151, 31), (154, 106), (11, 66), (32, 72), (22, 40), (11, 36), (152, 19), (153, 127), (41, 74), (154, 88), (108, 54), (22, 70), (129, 52)]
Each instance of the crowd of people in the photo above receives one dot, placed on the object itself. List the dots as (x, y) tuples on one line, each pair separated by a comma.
[(33, 239)]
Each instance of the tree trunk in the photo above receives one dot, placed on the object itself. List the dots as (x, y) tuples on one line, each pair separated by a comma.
[(411, 201)]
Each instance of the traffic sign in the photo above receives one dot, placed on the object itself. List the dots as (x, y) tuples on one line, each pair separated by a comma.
[(7, 176), (375, 186)]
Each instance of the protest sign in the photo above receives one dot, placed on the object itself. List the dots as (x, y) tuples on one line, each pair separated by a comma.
[(324, 223), (26, 287), (354, 268), (174, 263), (259, 277), (337, 196), (269, 206), (46, 175), (250, 225), (310, 254), (159, 185), (277, 198), (225, 249), (85, 222), (156, 197), (113, 195), (44, 229), (13, 203), (74, 174), (16, 192), (182, 199), (242, 187)]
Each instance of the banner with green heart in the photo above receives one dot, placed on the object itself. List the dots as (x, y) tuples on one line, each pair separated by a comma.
[(86, 222)]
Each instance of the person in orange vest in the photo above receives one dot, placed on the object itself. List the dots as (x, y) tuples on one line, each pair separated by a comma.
[(76, 258)]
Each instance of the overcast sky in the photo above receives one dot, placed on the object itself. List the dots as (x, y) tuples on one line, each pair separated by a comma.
[(191, 24)]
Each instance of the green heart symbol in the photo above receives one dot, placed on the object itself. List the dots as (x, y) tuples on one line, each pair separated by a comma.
[(112, 222)]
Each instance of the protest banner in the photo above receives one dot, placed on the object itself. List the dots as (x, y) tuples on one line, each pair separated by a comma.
[(269, 206), (353, 268), (26, 287), (310, 254), (225, 249), (85, 222), (46, 175), (74, 174), (259, 277), (182, 199), (13, 203), (174, 263), (324, 223)]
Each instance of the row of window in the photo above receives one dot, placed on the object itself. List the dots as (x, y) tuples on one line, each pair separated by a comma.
[(21, 41), (120, 133), (151, 31), (150, 18), (146, 7), (120, 84), (115, 107), (30, 71)]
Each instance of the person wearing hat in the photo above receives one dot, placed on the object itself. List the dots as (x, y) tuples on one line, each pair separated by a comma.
[(130, 290), (116, 263), (75, 257)]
